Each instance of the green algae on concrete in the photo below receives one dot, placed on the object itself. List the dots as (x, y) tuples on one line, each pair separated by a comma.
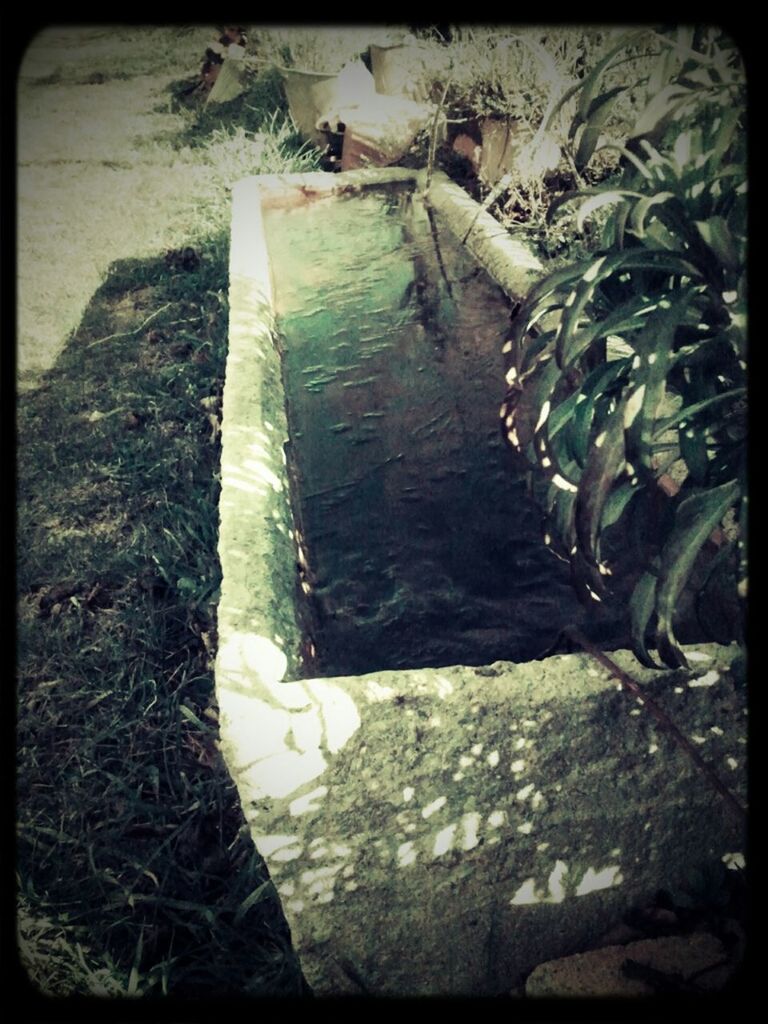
[(443, 831)]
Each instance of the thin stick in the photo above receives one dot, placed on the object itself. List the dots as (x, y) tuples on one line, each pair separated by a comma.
[(127, 334), (433, 136), (661, 717), (504, 182), (356, 481)]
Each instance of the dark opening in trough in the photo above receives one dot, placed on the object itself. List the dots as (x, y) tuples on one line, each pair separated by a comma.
[(418, 545)]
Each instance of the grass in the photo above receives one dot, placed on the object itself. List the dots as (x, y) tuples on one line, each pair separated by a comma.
[(136, 871), (131, 839)]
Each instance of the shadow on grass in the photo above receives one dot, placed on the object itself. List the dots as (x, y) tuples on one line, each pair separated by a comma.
[(131, 833)]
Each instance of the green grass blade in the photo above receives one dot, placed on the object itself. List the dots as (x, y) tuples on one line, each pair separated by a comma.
[(261, 892)]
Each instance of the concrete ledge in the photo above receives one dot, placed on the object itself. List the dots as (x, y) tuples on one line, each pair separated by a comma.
[(509, 262), (443, 831)]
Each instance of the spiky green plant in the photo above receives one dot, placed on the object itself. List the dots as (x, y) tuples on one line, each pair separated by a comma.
[(627, 369)]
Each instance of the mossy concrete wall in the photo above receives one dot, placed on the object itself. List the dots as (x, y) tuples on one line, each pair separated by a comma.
[(443, 831), (438, 831)]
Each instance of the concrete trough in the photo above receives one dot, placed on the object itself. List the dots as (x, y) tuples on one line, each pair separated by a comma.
[(436, 831)]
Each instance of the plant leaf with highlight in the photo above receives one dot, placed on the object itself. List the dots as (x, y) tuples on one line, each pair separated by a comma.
[(641, 607), (604, 463), (261, 892), (689, 411), (696, 518), (596, 117)]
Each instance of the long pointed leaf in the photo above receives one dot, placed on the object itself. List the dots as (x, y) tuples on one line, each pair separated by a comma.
[(600, 198), (562, 535), (693, 449), (717, 236), (626, 317), (597, 383), (640, 211), (725, 133), (524, 410), (597, 115), (641, 608), (604, 463), (602, 267), (689, 411), (595, 198), (617, 502), (697, 516), (591, 83), (661, 105), (654, 345), (261, 892)]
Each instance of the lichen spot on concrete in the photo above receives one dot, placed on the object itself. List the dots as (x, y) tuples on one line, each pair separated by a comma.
[(444, 687), (603, 879), (406, 854), (430, 809), (444, 840), (698, 656), (279, 847), (340, 715), (706, 680), (734, 861), (377, 692), (246, 653), (526, 894), (470, 823), (555, 882), (309, 802)]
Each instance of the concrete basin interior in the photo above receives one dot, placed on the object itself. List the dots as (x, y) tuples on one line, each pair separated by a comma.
[(439, 810)]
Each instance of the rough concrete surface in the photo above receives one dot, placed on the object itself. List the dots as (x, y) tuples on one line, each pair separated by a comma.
[(443, 831)]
